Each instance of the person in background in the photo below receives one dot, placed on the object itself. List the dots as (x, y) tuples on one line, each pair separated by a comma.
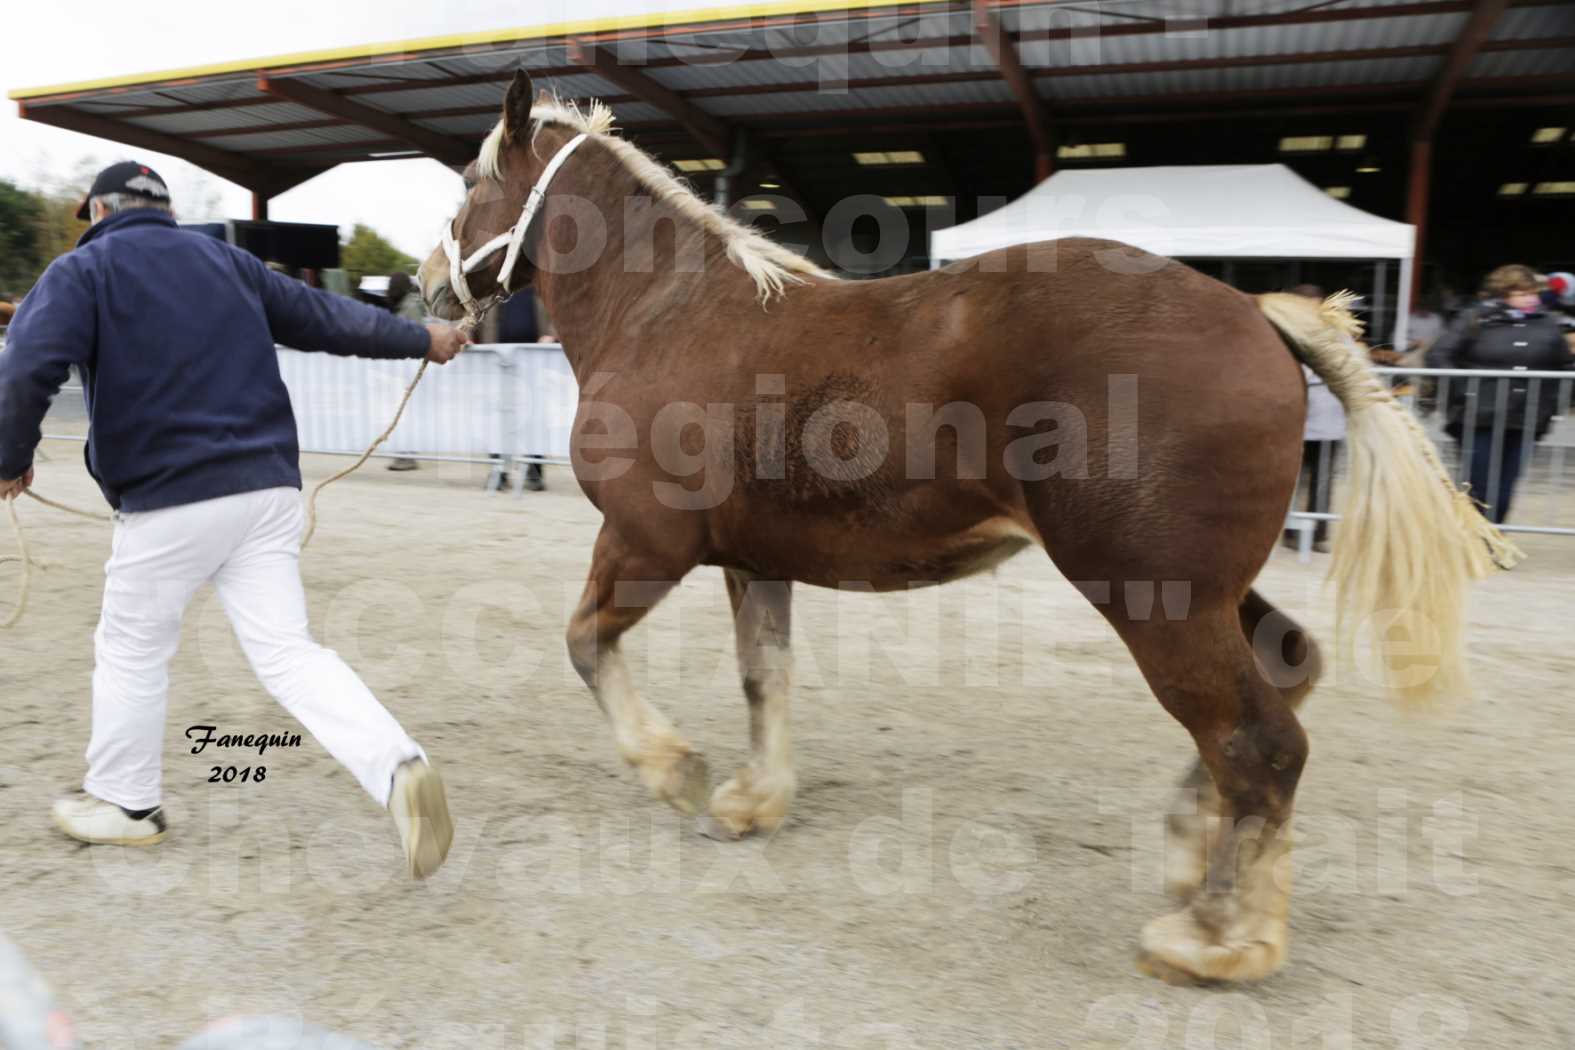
[(7, 311), (1559, 299), (521, 319), (402, 301), (1321, 438), (1423, 327), (1559, 295), (403, 298), (1506, 329)]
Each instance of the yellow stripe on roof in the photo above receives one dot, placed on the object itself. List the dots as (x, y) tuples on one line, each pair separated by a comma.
[(495, 36)]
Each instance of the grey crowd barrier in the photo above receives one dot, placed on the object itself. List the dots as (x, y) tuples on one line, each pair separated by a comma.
[(1542, 501)]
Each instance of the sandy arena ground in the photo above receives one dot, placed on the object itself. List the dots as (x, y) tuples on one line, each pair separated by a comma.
[(975, 845)]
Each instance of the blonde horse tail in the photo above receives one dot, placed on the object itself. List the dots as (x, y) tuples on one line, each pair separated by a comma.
[(1410, 542)]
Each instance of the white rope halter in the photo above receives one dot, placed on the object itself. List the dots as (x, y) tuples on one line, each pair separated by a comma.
[(513, 239)]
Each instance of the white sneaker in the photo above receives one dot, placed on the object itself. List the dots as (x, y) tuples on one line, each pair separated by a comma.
[(89, 819), (420, 811)]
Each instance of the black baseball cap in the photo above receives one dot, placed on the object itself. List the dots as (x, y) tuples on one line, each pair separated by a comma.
[(126, 177)]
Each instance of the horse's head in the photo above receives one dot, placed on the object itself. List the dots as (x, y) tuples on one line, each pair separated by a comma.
[(482, 257)]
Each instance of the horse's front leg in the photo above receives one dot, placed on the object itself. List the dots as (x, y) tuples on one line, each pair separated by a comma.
[(758, 796), (624, 585)]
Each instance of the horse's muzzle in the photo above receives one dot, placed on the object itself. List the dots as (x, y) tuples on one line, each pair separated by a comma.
[(447, 306)]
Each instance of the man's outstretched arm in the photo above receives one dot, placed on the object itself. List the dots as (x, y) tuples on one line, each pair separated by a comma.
[(54, 329), (310, 319)]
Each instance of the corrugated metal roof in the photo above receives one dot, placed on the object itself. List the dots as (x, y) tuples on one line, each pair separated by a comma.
[(121, 106), (895, 66), (1431, 30), (732, 74), (471, 127), (1243, 79), (384, 72), (637, 113), (1524, 63), (201, 92), (849, 63), (1526, 23), (901, 96), (260, 117), (555, 56), (487, 62), (1214, 10), (295, 139), (1041, 18), (418, 100)]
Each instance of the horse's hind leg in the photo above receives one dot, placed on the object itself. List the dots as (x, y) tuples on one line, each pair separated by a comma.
[(757, 798), (624, 585), (1289, 658), (1205, 674)]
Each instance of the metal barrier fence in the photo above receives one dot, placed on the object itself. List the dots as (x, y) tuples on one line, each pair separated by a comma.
[(1484, 457), (509, 402), (495, 403)]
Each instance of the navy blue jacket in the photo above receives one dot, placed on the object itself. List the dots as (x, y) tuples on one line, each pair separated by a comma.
[(174, 335)]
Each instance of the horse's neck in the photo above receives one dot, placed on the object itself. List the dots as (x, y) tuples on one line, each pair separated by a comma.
[(653, 260)]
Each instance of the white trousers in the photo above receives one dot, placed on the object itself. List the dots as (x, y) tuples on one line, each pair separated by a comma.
[(249, 547)]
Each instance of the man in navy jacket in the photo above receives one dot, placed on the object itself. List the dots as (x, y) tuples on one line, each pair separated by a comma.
[(193, 443)]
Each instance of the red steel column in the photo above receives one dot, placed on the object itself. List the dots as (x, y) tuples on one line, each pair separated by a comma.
[(1419, 181)]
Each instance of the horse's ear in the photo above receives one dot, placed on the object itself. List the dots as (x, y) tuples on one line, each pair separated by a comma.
[(516, 107)]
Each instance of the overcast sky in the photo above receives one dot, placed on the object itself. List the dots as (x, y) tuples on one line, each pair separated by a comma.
[(51, 43)]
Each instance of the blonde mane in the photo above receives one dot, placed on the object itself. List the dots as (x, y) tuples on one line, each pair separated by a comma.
[(769, 264)]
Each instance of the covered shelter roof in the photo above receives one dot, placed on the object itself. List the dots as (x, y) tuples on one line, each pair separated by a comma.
[(1214, 211), (684, 82)]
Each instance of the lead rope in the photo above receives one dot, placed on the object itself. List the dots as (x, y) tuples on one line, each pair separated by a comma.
[(311, 502), (27, 567), (24, 586), (468, 325)]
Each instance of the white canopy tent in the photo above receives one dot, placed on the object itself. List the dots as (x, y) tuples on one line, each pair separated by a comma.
[(1216, 211)]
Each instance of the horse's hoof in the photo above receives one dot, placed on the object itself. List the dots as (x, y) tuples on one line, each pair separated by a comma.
[(1180, 948), (714, 829), (1151, 965), (690, 780), (752, 803), (677, 776)]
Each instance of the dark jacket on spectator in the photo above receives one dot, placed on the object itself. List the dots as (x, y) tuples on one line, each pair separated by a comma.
[(521, 319), (1491, 336), (174, 334)]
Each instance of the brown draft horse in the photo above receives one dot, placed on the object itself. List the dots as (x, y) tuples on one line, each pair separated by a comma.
[(1136, 420)]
